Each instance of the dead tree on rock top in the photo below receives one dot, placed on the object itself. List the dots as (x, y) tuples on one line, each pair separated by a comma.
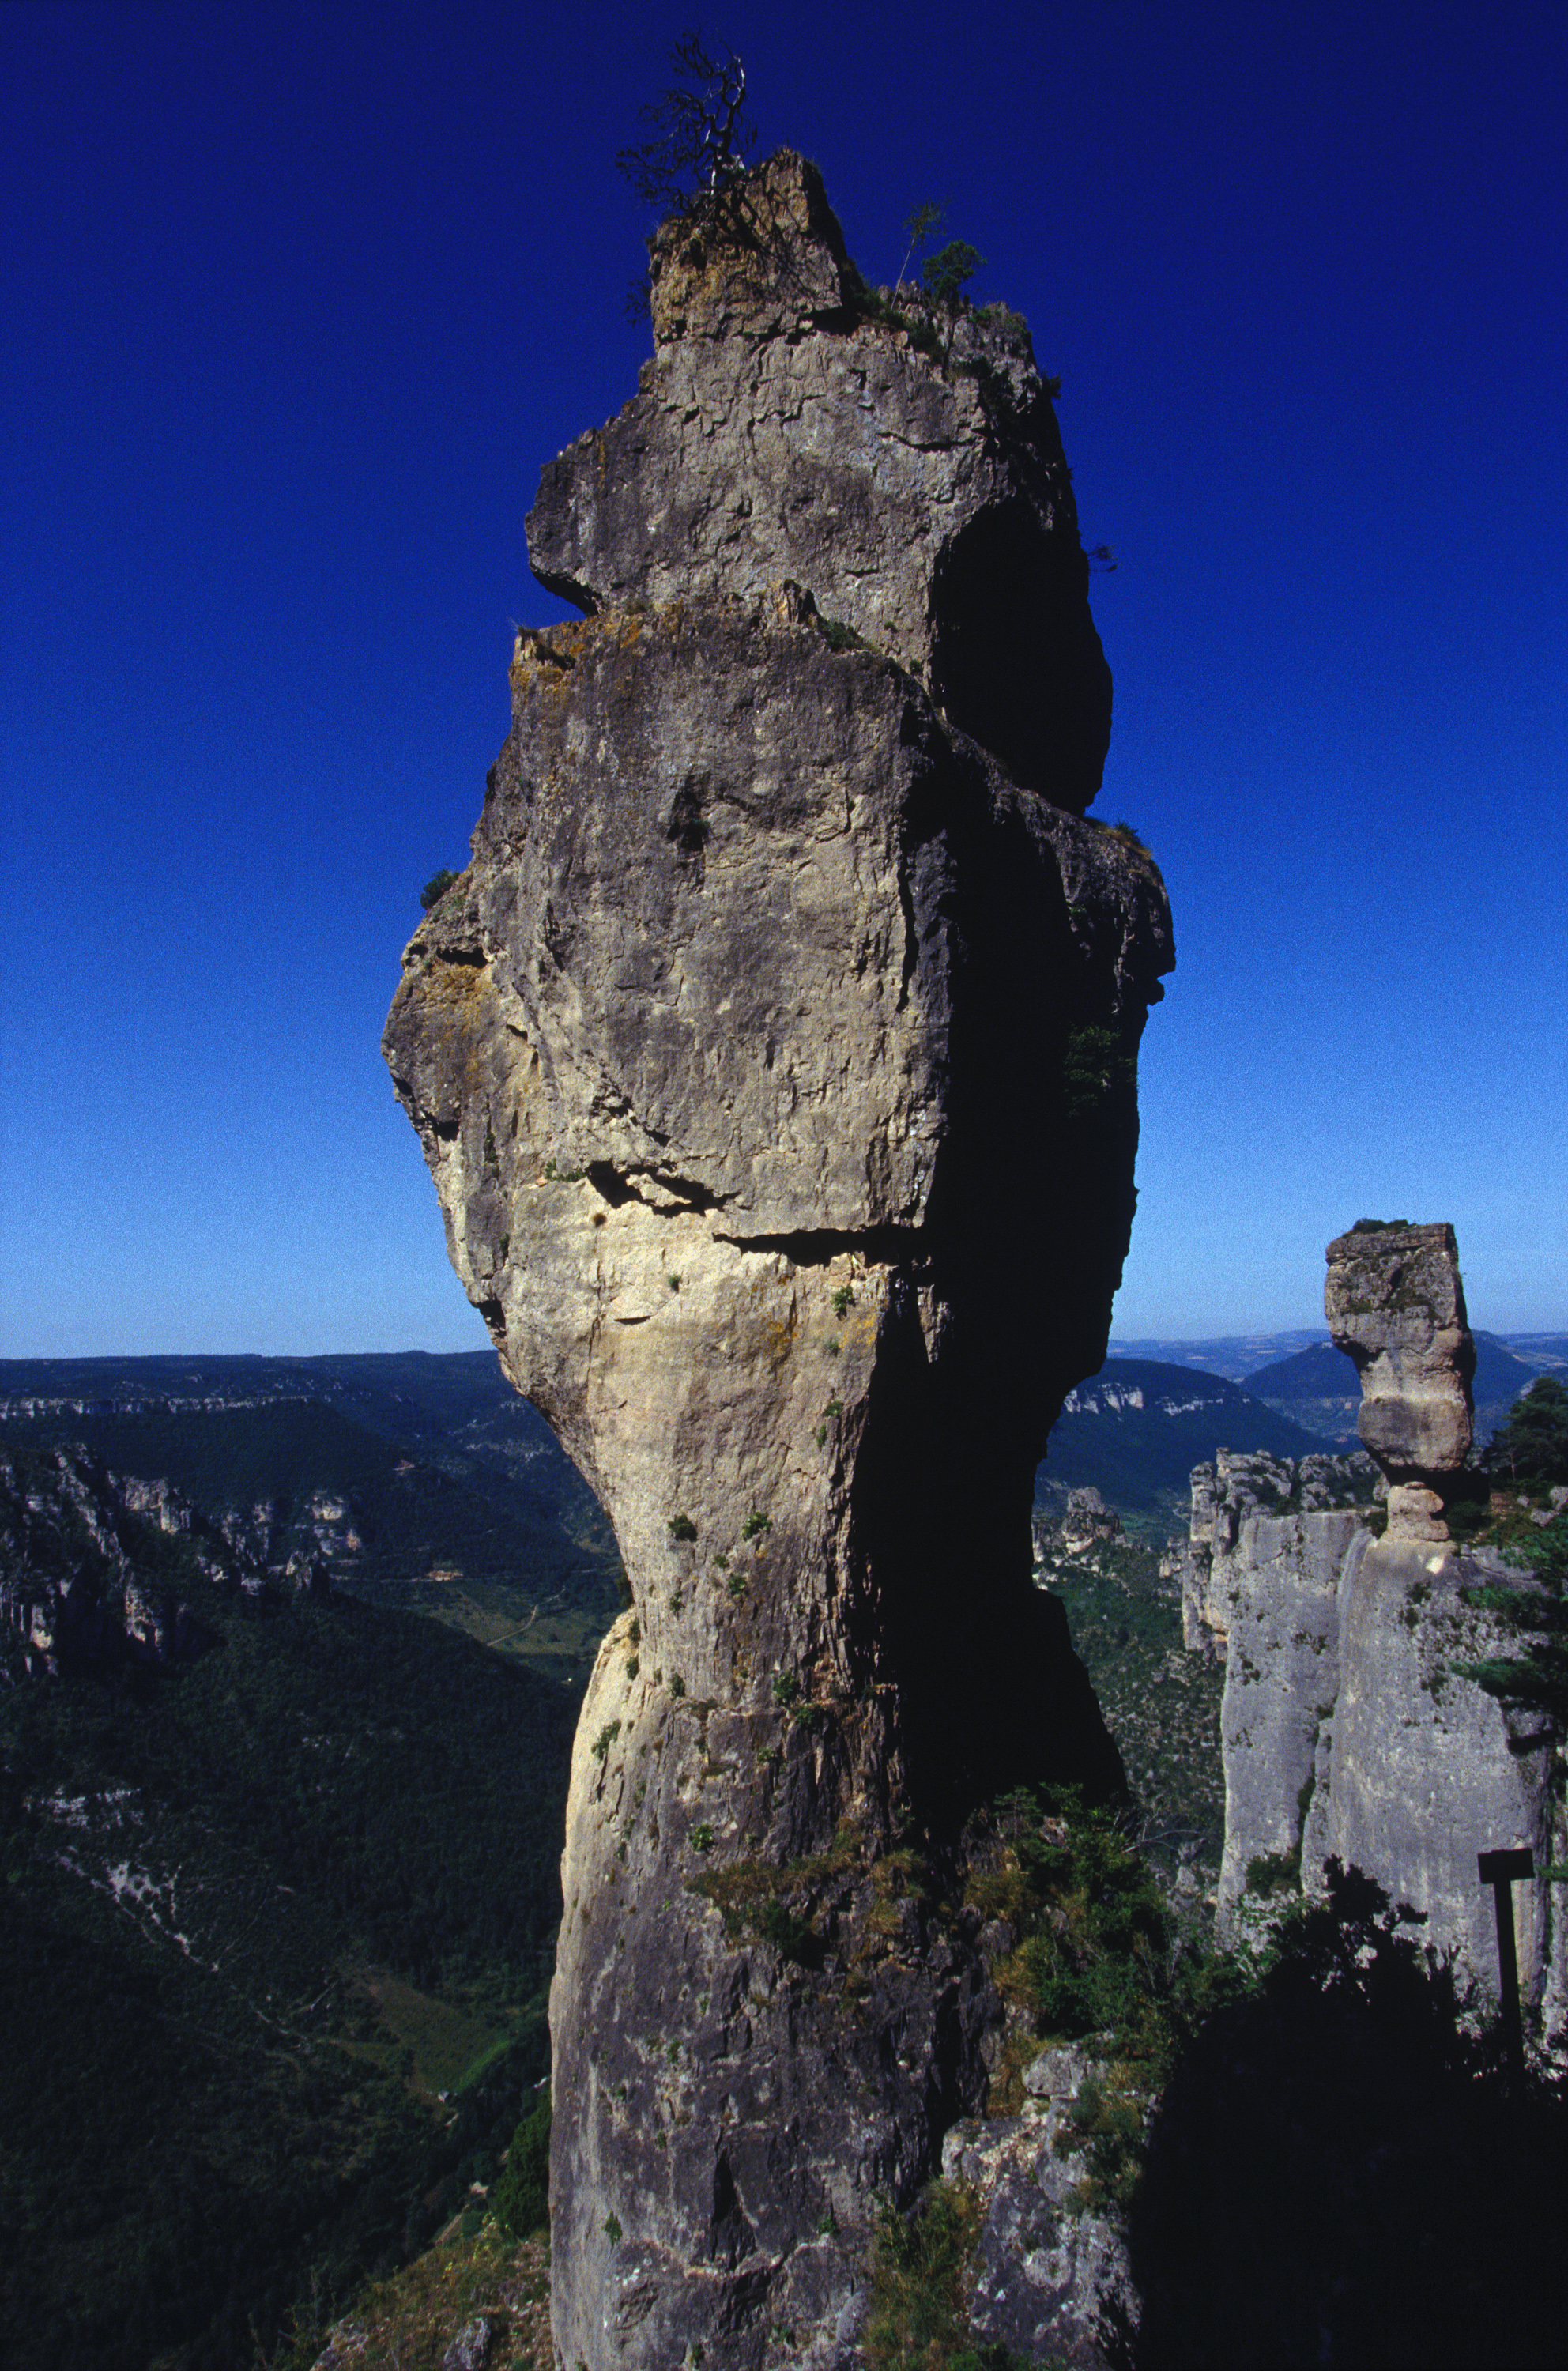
[(699, 145)]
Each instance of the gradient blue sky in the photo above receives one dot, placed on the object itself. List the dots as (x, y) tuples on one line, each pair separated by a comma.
[(301, 297)]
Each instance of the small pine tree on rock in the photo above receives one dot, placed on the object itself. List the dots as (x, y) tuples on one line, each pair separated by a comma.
[(520, 2199)]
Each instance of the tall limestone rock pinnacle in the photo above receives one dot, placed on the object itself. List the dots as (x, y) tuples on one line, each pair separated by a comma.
[(782, 433), (775, 1060)]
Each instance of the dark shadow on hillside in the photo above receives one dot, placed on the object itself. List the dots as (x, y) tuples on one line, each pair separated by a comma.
[(1337, 2175)]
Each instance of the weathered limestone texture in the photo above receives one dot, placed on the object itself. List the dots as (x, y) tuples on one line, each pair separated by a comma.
[(775, 1060), (1215, 1570), (1270, 1540), (1347, 1730), (1395, 1305), (1047, 2275), (1422, 1769), (782, 431)]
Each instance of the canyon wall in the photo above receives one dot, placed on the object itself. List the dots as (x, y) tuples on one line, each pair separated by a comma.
[(774, 1062)]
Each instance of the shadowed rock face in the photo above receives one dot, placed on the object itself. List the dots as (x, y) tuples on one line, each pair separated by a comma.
[(774, 1062), (1395, 1303)]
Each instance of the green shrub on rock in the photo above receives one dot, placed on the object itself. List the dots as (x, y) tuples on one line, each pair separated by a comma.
[(520, 2199)]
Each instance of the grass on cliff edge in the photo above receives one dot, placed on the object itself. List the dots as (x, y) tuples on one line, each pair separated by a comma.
[(409, 2322), (920, 2274)]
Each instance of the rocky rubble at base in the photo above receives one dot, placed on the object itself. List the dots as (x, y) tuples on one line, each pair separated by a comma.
[(1049, 2279)]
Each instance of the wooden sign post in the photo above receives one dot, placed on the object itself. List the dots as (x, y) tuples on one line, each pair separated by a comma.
[(1502, 1871)]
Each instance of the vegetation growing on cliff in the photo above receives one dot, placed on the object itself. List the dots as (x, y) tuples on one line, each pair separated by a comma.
[(1099, 1954), (429, 2313), (520, 2201), (1535, 1619), (1160, 1704), (920, 2264), (697, 138), (1531, 1447)]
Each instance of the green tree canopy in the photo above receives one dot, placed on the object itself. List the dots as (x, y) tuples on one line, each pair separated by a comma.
[(1535, 1680), (1533, 1444), (520, 2199)]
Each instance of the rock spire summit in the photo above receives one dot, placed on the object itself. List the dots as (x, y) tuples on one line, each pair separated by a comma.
[(794, 424)]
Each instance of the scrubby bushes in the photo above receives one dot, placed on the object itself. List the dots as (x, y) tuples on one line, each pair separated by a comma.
[(520, 2199)]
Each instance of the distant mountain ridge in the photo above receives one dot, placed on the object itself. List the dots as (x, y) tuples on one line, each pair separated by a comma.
[(1235, 1355), (1242, 1356), (404, 1393), (1135, 1430), (1318, 1388)]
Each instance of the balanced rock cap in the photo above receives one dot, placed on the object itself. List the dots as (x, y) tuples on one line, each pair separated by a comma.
[(1395, 1303)]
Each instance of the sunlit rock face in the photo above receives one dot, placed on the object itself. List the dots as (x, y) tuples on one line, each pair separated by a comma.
[(775, 1060)]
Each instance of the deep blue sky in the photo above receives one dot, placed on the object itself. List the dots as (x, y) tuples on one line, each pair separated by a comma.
[(300, 298)]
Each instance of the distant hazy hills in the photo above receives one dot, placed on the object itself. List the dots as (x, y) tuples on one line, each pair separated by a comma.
[(424, 1479), (1237, 1355), (1318, 1387), (1138, 1429), (396, 1466), (408, 1395), (1139, 1426)]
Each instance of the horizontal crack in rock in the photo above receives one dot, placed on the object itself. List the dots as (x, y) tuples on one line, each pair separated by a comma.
[(674, 1194), (889, 1246)]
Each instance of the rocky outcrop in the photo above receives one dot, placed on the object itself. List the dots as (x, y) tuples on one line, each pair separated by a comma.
[(1419, 1770), (80, 1587), (1348, 1729), (1088, 1519), (1049, 2277), (774, 1062), (792, 426), (1270, 1594), (1221, 1553)]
